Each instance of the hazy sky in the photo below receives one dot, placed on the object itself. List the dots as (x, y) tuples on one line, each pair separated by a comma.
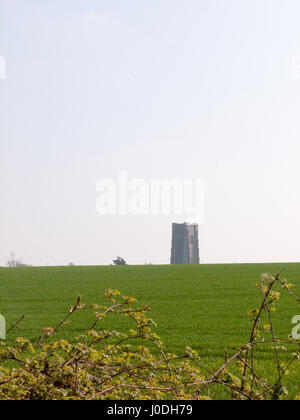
[(161, 89)]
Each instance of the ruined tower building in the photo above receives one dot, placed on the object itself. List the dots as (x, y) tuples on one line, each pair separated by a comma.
[(185, 244)]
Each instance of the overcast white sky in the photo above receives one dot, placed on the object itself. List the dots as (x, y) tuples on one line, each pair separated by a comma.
[(161, 89)]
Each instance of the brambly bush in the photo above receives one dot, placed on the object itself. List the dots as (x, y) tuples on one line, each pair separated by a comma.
[(134, 365)]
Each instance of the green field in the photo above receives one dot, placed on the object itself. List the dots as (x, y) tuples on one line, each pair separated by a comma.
[(199, 306)]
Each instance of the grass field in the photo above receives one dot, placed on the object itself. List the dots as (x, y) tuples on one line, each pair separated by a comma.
[(200, 306)]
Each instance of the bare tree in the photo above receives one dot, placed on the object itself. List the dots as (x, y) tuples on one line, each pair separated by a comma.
[(119, 261), (15, 262)]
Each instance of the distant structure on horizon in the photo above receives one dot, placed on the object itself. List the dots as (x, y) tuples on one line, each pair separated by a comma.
[(185, 244)]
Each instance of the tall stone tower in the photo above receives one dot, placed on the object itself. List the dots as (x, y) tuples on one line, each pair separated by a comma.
[(185, 244)]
